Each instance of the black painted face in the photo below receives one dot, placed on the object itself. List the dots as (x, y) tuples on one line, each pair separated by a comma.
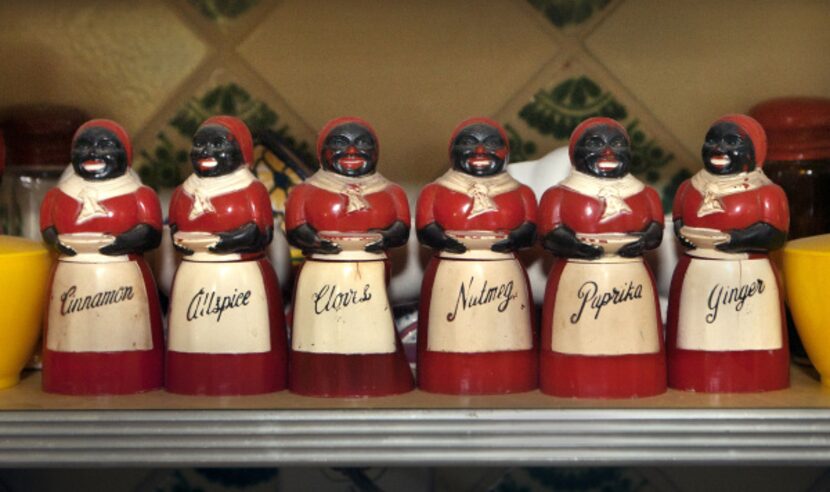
[(728, 149), (603, 151), (479, 150), (98, 155), (215, 152), (350, 150)]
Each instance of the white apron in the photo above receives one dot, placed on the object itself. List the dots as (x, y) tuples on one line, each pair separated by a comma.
[(727, 303), (479, 303), (605, 307), (98, 303), (341, 305), (219, 307)]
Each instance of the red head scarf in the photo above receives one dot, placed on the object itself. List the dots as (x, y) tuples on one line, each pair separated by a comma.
[(113, 127), (332, 124), (754, 130), (590, 123), (240, 132), (476, 121)]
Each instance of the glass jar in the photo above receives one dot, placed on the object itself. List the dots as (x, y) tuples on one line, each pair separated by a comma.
[(38, 139), (798, 160)]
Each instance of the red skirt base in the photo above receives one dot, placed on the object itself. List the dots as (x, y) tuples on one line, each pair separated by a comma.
[(747, 371), (349, 375), (225, 374), (486, 373), (102, 373), (620, 376)]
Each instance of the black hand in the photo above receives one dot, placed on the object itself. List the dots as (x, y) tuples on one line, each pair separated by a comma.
[(760, 237), (306, 238), (649, 238), (247, 238), (434, 236), (562, 241), (181, 249), (139, 239), (50, 236), (678, 223), (520, 237), (393, 236)]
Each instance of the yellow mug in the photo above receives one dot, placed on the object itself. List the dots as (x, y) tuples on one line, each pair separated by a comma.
[(806, 268), (24, 275)]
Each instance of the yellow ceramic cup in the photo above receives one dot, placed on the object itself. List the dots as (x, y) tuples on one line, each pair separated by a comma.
[(24, 274), (807, 278)]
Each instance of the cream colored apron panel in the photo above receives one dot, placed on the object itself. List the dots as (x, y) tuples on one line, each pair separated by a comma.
[(219, 308), (341, 307), (605, 308), (479, 306), (728, 305), (99, 307)]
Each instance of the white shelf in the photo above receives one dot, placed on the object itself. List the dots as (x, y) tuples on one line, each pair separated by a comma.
[(791, 426)]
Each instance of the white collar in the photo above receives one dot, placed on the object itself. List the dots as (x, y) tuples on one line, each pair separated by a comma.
[(592, 186), (202, 190), (74, 185)]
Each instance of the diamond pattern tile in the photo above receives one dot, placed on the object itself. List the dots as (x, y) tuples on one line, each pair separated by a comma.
[(700, 60), (283, 154), (413, 69), (98, 55), (542, 117)]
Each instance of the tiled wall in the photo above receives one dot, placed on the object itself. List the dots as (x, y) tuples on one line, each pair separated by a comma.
[(666, 69)]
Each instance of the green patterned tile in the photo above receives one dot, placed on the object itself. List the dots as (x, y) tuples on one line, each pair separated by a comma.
[(544, 118), (563, 13), (219, 10), (281, 158)]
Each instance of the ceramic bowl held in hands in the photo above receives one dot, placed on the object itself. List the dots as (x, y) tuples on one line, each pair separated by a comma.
[(196, 241), (478, 240), (86, 242), (350, 241), (703, 237), (610, 242)]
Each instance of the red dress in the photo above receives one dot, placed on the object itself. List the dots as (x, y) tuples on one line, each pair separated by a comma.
[(82, 363), (626, 358), (486, 358), (354, 361), (245, 356), (719, 368)]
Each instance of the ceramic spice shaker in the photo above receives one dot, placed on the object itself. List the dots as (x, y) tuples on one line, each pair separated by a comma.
[(226, 324), (726, 330), (476, 331), (602, 334), (344, 218), (103, 328)]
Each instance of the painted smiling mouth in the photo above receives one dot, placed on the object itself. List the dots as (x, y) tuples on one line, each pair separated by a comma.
[(208, 163), (352, 162), (94, 165), (720, 160), (607, 165), (480, 162)]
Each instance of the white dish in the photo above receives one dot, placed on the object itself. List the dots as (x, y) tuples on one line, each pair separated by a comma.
[(86, 242), (610, 242), (703, 237), (196, 241), (350, 241), (477, 240)]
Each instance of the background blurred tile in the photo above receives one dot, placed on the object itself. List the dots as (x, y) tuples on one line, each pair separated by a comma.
[(116, 59), (691, 62), (542, 117), (413, 69), (163, 156), (572, 16)]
